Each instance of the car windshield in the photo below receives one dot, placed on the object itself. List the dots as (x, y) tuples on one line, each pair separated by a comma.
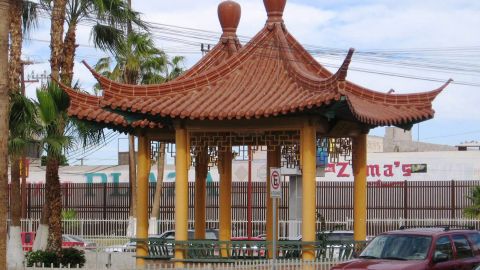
[(347, 237), (75, 238), (398, 247)]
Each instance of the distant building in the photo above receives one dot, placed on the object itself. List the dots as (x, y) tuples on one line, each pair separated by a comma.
[(468, 146), (399, 140)]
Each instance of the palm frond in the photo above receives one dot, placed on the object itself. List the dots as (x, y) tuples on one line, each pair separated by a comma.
[(29, 16), (106, 37), (61, 99), (47, 110), (87, 133)]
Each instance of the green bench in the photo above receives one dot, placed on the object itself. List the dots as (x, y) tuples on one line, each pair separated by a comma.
[(210, 251), (158, 249)]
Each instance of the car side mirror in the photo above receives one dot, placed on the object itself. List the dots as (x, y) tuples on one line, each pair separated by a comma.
[(442, 257)]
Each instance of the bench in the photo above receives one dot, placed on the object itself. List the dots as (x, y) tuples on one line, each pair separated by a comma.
[(158, 249), (211, 251)]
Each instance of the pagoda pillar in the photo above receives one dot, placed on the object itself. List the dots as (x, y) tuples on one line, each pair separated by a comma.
[(359, 163), (142, 198), (201, 170), (181, 191), (308, 153), (273, 160), (225, 197)]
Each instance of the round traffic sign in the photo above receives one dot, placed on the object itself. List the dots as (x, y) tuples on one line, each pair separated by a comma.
[(275, 178)]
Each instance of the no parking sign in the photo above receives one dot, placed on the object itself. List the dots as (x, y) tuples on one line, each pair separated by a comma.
[(275, 183)]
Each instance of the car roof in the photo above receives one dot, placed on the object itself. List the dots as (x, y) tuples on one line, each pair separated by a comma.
[(339, 232), (429, 231)]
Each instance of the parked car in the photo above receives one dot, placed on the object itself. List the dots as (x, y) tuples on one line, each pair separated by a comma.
[(440, 248), (130, 246), (338, 244), (68, 241), (210, 234)]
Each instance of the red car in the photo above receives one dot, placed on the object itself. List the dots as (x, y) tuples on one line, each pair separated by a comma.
[(420, 249), (67, 241)]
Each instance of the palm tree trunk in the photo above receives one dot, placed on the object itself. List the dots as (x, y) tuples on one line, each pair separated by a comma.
[(14, 245), (14, 250), (15, 207), (133, 185), (159, 185), (16, 37), (23, 186), (4, 111), (41, 236), (69, 48), (54, 201), (56, 35)]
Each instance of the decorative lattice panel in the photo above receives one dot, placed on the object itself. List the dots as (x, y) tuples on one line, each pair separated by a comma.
[(340, 149)]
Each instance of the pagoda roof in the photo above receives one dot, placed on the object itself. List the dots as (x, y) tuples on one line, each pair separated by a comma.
[(272, 75), (86, 107)]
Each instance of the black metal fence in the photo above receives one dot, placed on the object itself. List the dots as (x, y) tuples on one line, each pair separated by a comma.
[(407, 199)]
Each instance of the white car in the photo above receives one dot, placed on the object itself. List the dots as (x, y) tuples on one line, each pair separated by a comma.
[(128, 247)]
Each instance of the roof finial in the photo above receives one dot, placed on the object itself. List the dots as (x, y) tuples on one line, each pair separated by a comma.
[(229, 13), (275, 9)]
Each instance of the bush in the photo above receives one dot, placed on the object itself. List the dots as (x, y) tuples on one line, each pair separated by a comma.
[(40, 257), (68, 256), (72, 257)]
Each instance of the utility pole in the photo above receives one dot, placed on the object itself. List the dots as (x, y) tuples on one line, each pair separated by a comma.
[(24, 172), (131, 152), (24, 63), (204, 48), (34, 77)]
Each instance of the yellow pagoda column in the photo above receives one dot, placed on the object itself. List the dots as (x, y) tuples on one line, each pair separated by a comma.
[(359, 163), (273, 160), (308, 149), (142, 198), (201, 170), (225, 197), (181, 191)]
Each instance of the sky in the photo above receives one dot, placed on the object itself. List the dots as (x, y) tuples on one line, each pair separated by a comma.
[(436, 39)]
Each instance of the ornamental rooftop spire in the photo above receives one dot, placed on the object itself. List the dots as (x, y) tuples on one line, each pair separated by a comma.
[(275, 9), (229, 13), (271, 76)]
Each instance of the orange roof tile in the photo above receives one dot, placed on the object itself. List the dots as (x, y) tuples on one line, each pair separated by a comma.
[(87, 107), (271, 75)]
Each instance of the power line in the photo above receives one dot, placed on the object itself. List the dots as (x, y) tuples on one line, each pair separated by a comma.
[(403, 58), (454, 135)]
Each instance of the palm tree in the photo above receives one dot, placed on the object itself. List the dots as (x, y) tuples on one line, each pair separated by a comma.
[(4, 108), (113, 14), (23, 128), (59, 133), (15, 65), (22, 19), (110, 17), (138, 61), (57, 21), (473, 211), (174, 69)]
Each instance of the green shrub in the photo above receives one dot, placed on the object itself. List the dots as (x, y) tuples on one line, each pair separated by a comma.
[(68, 256), (72, 257), (40, 257)]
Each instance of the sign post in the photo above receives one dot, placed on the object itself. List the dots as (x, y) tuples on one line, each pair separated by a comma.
[(275, 193)]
